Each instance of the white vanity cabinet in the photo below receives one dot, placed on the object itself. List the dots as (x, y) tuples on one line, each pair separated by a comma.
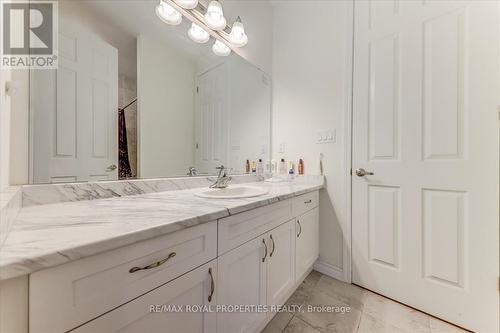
[(255, 258), (307, 242), (150, 313), (260, 272), (242, 279), (266, 269), (280, 263), (66, 296)]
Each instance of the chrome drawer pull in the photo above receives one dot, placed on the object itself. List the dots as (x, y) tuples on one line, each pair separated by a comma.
[(300, 230), (153, 265), (308, 201), (212, 285), (272, 251)]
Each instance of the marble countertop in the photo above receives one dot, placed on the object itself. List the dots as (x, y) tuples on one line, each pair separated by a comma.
[(44, 236)]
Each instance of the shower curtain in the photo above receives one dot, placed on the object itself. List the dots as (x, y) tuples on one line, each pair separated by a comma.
[(124, 170)]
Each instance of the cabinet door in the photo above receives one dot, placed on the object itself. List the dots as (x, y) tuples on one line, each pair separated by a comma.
[(307, 242), (139, 315), (241, 280), (281, 264)]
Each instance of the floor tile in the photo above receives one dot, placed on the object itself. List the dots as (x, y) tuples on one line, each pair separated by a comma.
[(347, 293), (369, 312), (395, 314), (278, 323), (327, 322), (369, 324), (313, 278), (303, 292), (439, 326), (297, 325)]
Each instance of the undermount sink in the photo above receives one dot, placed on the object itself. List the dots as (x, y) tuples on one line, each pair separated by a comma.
[(232, 192)]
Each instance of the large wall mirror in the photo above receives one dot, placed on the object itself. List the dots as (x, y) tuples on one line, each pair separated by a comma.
[(136, 98)]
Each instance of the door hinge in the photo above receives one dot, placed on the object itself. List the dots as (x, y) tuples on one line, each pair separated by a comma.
[(350, 171)]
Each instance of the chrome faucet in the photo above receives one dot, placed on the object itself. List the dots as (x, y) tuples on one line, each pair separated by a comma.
[(222, 179), (192, 172)]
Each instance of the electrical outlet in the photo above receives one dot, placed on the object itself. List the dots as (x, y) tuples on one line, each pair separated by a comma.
[(282, 148)]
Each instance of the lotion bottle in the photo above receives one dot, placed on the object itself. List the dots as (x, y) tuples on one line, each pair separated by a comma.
[(282, 167), (301, 167), (260, 167)]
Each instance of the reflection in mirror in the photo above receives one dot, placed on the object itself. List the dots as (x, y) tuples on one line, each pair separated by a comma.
[(136, 98)]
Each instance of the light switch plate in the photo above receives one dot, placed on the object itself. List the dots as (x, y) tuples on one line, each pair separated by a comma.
[(326, 136)]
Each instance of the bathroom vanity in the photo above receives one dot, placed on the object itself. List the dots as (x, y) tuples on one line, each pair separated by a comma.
[(117, 271)]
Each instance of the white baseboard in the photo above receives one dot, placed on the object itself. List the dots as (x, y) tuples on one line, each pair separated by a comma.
[(330, 270)]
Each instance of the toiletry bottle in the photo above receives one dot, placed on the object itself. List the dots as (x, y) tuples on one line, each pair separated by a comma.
[(282, 167), (301, 167), (268, 167), (247, 166), (254, 167), (274, 168), (291, 170), (260, 167)]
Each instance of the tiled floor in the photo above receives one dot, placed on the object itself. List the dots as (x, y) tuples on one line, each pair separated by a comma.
[(369, 312)]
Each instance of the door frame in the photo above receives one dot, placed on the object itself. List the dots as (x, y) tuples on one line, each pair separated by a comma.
[(348, 127)]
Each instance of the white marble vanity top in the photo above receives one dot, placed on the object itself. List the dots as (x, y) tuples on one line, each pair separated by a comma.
[(48, 235)]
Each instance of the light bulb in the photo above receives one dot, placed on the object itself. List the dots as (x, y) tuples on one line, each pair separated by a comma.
[(221, 49), (187, 4), (198, 34), (214, 17), (168, 14), (238, 36)]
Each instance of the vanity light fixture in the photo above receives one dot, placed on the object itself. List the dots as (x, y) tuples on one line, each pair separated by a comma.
[(237, 36), (221, 49), (206, 22), (198, 34), (187, 4), (214, 17), (168, 14)]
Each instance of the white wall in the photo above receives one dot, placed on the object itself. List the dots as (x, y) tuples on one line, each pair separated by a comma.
[(311, 72), (5, 109), (166, 83), (257, 16)]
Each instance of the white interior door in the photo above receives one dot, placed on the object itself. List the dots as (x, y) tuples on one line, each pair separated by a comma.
[(212, 132), (425, 122), (74, 110)]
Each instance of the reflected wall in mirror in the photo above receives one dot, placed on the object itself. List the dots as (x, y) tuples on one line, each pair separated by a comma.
[(136, 98)]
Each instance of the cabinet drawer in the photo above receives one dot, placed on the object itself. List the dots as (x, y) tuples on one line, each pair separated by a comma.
[(149, 313), (238, 229), (305, 202), (69, 295)]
